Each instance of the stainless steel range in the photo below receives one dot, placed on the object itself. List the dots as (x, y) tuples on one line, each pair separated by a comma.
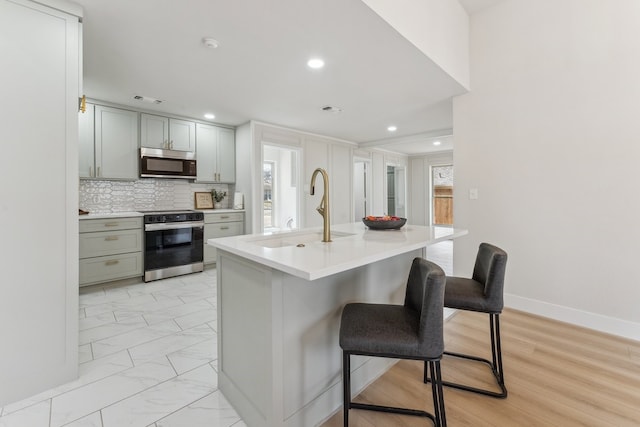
[(173, 243)]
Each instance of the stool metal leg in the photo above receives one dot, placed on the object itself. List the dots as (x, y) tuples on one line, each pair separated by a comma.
[(495, 365), (438, 417), (346, 387)]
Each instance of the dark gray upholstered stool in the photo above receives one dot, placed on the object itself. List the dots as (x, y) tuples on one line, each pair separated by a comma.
[(482, 293), (409, 331)]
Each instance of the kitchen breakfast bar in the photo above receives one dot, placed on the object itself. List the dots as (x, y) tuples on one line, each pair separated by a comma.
[(280, 297)]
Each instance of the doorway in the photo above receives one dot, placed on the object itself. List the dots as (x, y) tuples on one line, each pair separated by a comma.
[(442, 195), (361, 189), (280, 188), (396, 191)]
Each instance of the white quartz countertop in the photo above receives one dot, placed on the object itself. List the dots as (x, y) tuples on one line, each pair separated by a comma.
[(219, 211), (353, 245), (138, 214), (110, 215)]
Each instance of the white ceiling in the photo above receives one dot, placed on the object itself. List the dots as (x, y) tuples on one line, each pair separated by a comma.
[(473, 6), (154, 48)]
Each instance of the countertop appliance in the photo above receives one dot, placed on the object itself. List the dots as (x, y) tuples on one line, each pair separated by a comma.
[(159, 163), (174, 243)]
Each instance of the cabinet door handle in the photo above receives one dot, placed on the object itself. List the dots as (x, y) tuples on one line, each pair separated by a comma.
[(111, 224), (111, 238), (171, 144), (98, 171), (111, 262), (224, 216), (224, 228)]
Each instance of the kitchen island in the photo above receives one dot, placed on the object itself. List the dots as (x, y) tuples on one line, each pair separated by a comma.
[(280, 297)]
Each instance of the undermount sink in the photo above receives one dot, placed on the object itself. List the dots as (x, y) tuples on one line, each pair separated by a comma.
[(294, 239)]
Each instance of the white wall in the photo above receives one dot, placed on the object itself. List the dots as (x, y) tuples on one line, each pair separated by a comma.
[(439, 28), (549, 137)]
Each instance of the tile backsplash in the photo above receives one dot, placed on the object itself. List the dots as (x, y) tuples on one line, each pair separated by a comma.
[(145, 194)]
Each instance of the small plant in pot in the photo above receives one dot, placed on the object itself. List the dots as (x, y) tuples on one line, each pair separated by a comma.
[(218, 196)]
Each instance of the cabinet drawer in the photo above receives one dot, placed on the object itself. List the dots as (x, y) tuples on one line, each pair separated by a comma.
[(110, 242), (225, 229), (213, 231), (104, 269), (89, 225), (212, 218)]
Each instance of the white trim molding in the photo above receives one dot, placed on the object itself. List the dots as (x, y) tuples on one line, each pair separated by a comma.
[(598, 322)]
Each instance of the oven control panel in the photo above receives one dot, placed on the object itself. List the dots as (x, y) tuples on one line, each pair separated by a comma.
[(164, 217)]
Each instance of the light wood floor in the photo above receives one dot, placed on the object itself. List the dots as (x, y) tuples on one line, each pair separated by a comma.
[(557, 375)]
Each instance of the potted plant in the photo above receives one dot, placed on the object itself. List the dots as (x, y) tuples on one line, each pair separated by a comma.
[(217, 198)]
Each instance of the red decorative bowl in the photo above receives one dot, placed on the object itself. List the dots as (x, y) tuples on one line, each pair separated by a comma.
[(384, 224)]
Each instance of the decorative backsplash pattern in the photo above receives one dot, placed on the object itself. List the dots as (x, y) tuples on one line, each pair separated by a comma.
[(142, 195)]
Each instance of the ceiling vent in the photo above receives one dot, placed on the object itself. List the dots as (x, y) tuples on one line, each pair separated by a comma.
[(147, 99), (331, 109)]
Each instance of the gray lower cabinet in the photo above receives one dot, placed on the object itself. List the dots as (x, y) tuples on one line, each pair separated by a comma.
[(110, 249), (220, 225)]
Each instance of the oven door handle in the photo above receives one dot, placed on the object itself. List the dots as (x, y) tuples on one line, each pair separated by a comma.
[(173, 225)]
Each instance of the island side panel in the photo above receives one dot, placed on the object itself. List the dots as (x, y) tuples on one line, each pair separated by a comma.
[(279, 357), (312, 358), (244, 337)]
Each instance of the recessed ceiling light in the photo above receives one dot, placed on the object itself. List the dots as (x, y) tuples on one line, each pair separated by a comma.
[(209, 116), (437, 142), (315, 63), (392, 128)]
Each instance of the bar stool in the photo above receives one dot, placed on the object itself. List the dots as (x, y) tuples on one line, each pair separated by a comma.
[(410, 331), (482, 293)]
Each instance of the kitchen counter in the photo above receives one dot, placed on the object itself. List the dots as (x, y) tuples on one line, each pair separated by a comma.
[(279, 308), (353, 245), (219, 211), (138, 214), (110, 215)]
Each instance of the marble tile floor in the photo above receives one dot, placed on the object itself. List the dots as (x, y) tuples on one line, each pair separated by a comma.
[(148, 358)]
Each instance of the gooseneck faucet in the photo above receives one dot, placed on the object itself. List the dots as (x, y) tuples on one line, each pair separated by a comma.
[(323, 208)]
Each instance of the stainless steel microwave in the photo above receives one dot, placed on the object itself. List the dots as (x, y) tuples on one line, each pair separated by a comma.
[(158, 163)]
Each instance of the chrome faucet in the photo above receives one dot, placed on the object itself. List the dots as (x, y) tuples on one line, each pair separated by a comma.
[(323, 208)]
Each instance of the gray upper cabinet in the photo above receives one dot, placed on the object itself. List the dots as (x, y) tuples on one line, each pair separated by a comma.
[(216, 154), (86, 127), (108, 142), (166, 133)]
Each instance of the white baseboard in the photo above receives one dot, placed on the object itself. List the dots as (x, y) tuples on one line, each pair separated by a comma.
[(598, 322)]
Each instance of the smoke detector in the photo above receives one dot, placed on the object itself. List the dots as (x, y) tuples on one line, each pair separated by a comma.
[(211, 43)]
